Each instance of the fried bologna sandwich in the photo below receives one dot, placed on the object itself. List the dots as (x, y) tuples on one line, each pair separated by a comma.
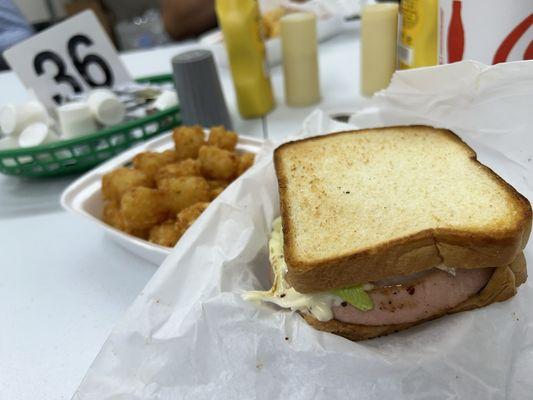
[(383, 229)]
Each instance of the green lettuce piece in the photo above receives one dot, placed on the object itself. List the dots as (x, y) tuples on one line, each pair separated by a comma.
[(356, 296)]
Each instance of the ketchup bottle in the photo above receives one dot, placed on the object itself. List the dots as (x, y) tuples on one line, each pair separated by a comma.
[(456, 34)]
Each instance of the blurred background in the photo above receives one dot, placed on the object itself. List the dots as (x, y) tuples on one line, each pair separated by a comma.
[(132, 24)]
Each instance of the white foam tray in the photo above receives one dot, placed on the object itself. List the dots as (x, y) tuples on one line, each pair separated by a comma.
[(83, 197)]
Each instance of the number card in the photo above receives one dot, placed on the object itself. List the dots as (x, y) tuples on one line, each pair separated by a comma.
[(70, 58)]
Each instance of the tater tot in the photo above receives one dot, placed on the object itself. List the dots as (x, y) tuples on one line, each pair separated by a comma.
[(188, 167), (184, 191), (218, 183), (140, 233), (187, 216), (216, 187), (214, 193), (111, 215), (217, 163), (223, 139), (143, 208), (188, 140), (165, 234), (150, 162), (163, 193), (117, 182), (171, 155), (245, 161)]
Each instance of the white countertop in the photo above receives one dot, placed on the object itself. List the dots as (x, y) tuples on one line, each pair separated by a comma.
[(64, 283)]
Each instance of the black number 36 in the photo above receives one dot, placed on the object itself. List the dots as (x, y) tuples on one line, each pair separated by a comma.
[(81, 65)]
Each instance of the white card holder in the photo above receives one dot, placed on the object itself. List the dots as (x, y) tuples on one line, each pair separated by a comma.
[(70, 58)]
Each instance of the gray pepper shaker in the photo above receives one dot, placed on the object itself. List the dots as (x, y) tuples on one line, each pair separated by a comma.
[(198, 86)]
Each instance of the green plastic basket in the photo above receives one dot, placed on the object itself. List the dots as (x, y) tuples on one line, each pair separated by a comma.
[(80, 154)]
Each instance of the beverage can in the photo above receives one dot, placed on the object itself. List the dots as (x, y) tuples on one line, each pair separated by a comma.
[(417, 41), (489, 31)]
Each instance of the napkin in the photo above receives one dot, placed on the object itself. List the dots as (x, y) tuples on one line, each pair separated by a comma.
[(189, 334)]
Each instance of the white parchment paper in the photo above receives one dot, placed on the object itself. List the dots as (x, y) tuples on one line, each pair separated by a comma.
[(189, 335)]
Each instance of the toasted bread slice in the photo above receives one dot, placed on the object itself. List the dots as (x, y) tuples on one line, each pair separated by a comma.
[(364, 205), (500, 287)]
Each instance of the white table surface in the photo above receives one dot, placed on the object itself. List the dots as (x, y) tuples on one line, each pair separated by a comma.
[(63, 283)]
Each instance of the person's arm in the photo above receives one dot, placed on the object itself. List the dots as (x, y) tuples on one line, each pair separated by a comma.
[(184, 18), (13, 26)]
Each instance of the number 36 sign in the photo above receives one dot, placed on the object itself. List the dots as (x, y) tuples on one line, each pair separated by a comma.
[(69, 58)]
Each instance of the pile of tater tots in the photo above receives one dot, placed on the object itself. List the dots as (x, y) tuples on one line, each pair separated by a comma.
[(163, 193)]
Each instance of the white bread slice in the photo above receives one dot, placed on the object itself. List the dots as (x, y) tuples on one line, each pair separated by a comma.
[(502, 286), (364, 205)]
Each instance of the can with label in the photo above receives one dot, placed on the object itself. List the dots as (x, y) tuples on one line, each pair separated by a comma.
[(489, 31), (417, 41)]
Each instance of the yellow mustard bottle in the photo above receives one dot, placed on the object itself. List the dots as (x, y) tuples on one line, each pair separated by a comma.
[(417, 42), (240, 22)]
